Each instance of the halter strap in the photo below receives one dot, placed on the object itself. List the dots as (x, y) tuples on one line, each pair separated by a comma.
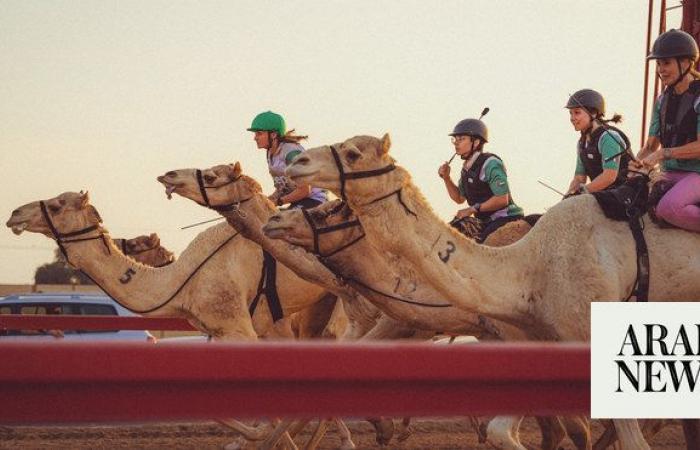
[(61, 237), (203, 191), (318, 231), (355, 175)]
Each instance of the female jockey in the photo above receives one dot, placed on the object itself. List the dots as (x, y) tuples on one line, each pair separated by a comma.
[(282, 147), (483, 182), (603, 150), (673, 132)]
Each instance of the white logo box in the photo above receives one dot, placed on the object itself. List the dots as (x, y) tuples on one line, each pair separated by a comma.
[(610, 322)]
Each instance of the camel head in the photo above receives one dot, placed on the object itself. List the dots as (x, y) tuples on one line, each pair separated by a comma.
[(293, 226), (69, 212), (219, 185), (363, 157), (146, 250)]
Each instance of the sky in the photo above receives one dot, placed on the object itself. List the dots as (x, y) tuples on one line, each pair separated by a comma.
[(105, 96)]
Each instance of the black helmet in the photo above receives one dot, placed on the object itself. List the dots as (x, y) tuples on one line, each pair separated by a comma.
[(587, 98), (674, 44), (471, 127)]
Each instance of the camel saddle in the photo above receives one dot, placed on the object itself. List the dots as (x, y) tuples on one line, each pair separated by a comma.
[(628, 202)]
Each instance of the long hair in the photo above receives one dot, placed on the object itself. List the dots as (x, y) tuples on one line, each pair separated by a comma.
[(291, 137)]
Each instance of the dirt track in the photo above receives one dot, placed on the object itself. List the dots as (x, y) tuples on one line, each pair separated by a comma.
[(440, 434)]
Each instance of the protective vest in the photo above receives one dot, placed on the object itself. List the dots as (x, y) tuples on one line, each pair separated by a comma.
[(476, 190), (678, 119), (592, 158)]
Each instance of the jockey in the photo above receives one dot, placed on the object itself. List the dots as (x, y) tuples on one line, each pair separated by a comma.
[(673, 132), (483, 182), (282, 147), (603, 150)]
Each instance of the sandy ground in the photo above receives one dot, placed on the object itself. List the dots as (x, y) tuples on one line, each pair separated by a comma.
[(442, 434)]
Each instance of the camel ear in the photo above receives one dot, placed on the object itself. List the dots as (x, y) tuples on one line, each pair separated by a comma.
[(154, 240), (386, 143), (84, 199), (237, 171), (93, 215)]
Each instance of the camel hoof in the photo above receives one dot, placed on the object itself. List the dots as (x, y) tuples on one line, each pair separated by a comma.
[(239, 443), (347, 444), (406, 433), (384, 429)]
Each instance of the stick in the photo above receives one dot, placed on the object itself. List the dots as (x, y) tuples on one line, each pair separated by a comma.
[(550, 187), (201, 223)]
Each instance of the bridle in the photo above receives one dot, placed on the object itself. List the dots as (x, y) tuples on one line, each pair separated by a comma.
[(344, 176), (227, 207), (318, 231), (64, 238)]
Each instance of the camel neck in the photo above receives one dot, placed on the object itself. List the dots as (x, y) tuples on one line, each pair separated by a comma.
[(483, 280), (138, 287), (249, 221)]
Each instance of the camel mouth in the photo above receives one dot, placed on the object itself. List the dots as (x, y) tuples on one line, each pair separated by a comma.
[(169, 186), (298, 174), (18, 228), (274, 231)]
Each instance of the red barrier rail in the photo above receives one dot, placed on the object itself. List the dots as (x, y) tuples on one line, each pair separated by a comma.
[(77, 382), (76, 322)]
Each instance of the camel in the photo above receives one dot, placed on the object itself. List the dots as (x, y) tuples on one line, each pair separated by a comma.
[(574, 256), (246, 209), (215, 305), (240, 199), (146, 250), (331, 229)]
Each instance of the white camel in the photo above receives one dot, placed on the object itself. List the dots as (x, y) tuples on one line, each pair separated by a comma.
[(544, 283), (192, 287)]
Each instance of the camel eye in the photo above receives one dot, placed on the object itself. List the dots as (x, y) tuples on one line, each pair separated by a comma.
[(209, 179), (53, 207), (352, 156)]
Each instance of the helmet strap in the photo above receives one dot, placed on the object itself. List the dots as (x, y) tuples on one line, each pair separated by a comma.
[(682, 73)]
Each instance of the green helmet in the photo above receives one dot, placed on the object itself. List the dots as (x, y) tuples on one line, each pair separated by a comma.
[(674, 44), (269, 121), (588, 99)]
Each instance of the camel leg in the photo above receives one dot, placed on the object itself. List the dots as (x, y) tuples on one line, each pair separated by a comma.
[(384, 428), (552, 431), (405, 430), (502, 432), (318, 434), (630, 435), (479, 428), (579, 430), (346, 442), (279, 432), (608, 438), (691, 430), (298, 426), (256, 433)]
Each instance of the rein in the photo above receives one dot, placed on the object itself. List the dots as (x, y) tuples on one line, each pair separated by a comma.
[(182, 286)]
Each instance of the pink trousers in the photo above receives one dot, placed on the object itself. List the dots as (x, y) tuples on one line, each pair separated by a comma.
[(680, 206)]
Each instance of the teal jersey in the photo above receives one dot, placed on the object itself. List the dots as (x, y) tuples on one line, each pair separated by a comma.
[(494, 174), (609, 145), (686, 165)]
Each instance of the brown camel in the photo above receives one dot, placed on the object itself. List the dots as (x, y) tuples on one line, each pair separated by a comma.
[(146, 250), (574, 256)]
